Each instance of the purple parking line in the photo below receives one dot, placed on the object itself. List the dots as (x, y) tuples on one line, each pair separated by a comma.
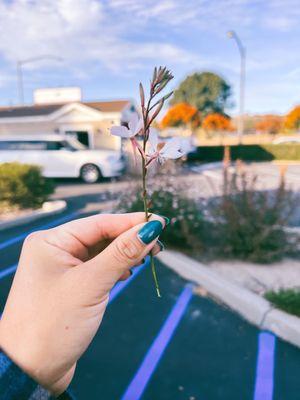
[(8, 271), (264, 381), (155, 352), (120, 286), (51, 224)]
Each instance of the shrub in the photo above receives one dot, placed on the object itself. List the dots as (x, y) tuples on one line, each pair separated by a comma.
[(23, 186), (216, 123), (251, 223), (286, 299), (292, 120), (239, 222), (269, 124), (181, 114), (267, 152), (189, 229)]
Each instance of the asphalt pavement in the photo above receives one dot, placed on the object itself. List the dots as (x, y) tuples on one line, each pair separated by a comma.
[(182, 346)]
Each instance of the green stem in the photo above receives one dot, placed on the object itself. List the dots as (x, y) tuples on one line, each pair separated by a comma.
[(145, 201)]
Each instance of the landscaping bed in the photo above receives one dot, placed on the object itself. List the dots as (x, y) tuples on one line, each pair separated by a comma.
[(263, 152), (24, 193), (238, 230)]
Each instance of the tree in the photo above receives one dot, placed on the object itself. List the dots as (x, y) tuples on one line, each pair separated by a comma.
[(292, 120), (217, 123), (269, 124), (181, 114), (206, 91)]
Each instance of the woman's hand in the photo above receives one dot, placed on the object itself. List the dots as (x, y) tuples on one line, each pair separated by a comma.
[(61, 289)]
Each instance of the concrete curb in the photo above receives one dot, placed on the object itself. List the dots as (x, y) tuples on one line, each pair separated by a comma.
[(48, 208), (251, 306)]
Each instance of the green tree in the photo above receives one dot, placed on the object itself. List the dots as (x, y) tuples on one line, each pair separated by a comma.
[(206, 91)]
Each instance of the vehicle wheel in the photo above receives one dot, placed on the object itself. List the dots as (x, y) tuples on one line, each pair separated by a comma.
[(90, 173)]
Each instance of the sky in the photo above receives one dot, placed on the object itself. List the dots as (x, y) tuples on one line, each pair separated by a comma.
[(107, 46)]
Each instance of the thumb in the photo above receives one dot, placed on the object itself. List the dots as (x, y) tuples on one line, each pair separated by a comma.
[(127, 250)]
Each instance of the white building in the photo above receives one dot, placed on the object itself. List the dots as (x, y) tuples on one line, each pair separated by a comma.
[(62, 111)]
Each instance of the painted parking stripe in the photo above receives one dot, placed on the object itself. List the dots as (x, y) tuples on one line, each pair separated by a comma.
[(264, 381), (142, 377), (51, 224), (8, 271), (120, 286)]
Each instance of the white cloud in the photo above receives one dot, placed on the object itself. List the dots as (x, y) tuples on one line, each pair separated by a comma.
[(79, 32)]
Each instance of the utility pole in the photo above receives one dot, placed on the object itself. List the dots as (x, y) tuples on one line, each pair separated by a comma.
[(20, 81), (242, 51)]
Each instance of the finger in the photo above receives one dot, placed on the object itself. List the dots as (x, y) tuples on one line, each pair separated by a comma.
[(80, 237), (91, 230), (124, 252), (126, 275), (158, 247)]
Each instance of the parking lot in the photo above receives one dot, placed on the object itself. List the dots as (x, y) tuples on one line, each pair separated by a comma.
[(183, 346)]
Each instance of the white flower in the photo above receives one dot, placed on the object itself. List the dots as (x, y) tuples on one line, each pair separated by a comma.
[(161, 151), (135, 125)]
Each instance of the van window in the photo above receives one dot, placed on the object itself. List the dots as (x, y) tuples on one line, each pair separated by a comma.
[(51, 145), (23, 145)]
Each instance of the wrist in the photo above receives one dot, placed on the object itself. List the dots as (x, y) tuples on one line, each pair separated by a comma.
[(25, 357)]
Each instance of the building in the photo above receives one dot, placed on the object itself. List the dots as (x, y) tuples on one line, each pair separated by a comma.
[(62, 111)]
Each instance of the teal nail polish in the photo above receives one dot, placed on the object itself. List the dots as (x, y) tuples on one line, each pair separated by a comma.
[(161, 245), (167, 220), (150, 231)]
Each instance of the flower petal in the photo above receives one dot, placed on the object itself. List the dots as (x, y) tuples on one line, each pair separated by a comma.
[(153, 138), (172, 149), (134, 124), (120, 131), (152, 143), (139, 126)]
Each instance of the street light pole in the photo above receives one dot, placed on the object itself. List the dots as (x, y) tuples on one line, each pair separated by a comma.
[(20, 82), (242, 51), (20, 63)]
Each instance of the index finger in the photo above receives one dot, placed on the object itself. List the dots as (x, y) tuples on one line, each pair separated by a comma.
[(91, 230)]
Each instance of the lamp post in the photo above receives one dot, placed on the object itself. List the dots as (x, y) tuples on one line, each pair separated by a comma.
[(242, 51), (20, 64)]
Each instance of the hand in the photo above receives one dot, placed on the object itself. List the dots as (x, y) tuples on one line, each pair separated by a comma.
[(61, 289)]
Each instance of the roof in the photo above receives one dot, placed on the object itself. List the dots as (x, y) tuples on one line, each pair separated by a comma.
[(28, 111), (108, 106), (46, 109), (16, 138)]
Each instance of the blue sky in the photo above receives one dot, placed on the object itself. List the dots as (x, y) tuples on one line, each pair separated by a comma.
[(108, 46)]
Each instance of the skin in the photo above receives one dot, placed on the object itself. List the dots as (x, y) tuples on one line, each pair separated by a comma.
[(61, 290)]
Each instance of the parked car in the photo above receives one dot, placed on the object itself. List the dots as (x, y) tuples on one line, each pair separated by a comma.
[(62, 157), (286, 140)]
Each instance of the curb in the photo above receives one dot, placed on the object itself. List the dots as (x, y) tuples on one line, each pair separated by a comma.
[(251, 306), (48, 208)]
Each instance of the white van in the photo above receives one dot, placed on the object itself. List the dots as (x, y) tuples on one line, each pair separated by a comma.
[(62, 157)]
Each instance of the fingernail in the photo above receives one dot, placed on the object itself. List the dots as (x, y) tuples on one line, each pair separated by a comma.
[(161, 245), (167, 220), (150, 231)]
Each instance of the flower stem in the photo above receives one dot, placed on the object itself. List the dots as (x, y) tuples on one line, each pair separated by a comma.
[(153, 269), (145, 201)]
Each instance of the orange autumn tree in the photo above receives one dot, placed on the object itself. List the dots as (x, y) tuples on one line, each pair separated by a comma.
[(181, 114), (292, 120), (216, 122), (269, 124)]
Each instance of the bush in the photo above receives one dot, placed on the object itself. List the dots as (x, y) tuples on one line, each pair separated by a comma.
[(286, 299), (238, 223), (267, 152), (23, 186), (189, 229), (251, 223)]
